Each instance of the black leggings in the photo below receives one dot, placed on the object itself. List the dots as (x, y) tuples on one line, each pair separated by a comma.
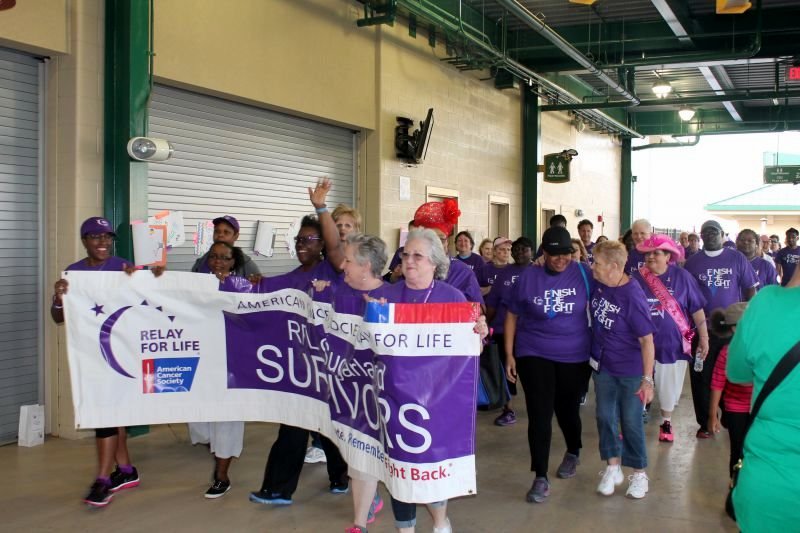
[(737, 427), (286, 459), (552, 387)]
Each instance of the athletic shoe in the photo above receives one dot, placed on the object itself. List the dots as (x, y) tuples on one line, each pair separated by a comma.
[(665, 432), (315, 455), (270, 498), (340, 487), (539, 492), (218, 489), (446, 529), (99, 494), (639, 485), (612, 477), (507, 418), (377, 505), (703, 434), (120, 480), (355, 529), (568, 467)]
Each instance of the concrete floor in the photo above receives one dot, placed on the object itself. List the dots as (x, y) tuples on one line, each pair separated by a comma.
[(42, 487)]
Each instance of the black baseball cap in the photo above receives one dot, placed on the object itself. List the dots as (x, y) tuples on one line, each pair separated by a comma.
[(557, 241)]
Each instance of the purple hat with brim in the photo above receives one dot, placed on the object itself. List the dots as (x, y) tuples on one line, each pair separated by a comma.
[(662, 242), (229, 220), (97, 225)]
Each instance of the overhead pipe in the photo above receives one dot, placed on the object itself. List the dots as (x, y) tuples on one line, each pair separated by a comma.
[(521, 71), (732, 96), (692, 57), (676, 144), (566, 47)]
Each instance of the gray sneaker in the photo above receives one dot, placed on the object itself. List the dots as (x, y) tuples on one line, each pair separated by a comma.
[(539, 491), (568, 467)]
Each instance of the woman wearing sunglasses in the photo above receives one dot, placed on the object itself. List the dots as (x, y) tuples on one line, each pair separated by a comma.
[(321, 255)]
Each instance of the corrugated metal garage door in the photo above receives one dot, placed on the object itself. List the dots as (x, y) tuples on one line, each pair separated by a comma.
[(243, 161), (20, 261)]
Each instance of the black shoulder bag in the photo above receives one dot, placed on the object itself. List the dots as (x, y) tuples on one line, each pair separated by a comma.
[(781, 370)]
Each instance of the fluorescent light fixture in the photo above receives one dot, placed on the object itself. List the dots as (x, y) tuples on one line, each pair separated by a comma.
[(686, 113), (661, 89)]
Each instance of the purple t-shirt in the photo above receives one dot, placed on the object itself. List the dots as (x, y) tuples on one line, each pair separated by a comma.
[(491, 273), (682, 286), (440, 292), (475, 263), (723, 279), (552, 320), (112, 264), (621, 316), (788, 259), (765, 272), (589, 253), (635, 262), (297, 279), (502, 282), (462, 278), (687, 252), (351, 301)]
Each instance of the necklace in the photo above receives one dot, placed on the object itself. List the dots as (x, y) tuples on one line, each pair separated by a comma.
[(404, 297)]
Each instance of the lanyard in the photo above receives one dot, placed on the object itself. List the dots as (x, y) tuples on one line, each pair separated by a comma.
[(427, 294)]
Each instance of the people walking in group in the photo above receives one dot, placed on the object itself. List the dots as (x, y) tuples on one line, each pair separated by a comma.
[(115, 470), (725, 277), (547, 344), (676, 309), (623, 357)]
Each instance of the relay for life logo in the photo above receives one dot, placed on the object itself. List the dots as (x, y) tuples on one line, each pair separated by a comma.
[(169, 354)]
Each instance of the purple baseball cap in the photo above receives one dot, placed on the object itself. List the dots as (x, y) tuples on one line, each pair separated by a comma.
[(98, 225), (228, 219)]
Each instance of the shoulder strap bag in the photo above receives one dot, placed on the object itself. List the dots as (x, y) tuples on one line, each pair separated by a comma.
[(781, 370)]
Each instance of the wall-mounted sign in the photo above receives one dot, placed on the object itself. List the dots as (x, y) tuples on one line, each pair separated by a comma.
[(556, 168), (794, 73), (782, 174)]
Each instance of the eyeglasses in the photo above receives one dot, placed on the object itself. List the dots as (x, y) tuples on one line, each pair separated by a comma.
[(416, 256), (306, 240), (215, 257), (99, 236)]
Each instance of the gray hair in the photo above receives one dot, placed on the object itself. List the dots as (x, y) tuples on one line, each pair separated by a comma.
[(368, 248), (438, 256), (643, 222)]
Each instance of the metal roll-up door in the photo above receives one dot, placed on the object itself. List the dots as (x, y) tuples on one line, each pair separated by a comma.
[(235, 159), (20, 244)]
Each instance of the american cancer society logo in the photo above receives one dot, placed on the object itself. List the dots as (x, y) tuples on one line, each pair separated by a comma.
[(169, 357), (174, 374)]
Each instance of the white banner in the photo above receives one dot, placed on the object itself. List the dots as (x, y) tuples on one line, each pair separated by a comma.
[(398, 398)]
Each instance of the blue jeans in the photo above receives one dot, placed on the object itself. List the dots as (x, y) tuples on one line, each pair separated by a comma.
[(619, 406), (405, 514)]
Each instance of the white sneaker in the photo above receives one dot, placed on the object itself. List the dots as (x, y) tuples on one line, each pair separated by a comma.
[(612, 476), (446, 529), (315, 455), (639, 485)]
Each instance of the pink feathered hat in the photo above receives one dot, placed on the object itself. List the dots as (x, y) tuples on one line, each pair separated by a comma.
[(662, 242)]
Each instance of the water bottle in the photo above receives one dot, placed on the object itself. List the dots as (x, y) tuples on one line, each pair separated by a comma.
[(698, 362)]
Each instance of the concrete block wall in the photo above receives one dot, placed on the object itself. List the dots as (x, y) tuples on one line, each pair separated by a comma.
[(475, 147)]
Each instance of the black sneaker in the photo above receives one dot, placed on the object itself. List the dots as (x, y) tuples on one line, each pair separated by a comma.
[(340, 487), (120, 480), (217, 489), (99, 495)]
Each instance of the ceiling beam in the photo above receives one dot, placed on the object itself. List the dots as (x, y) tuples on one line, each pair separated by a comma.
[(669, 15)]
